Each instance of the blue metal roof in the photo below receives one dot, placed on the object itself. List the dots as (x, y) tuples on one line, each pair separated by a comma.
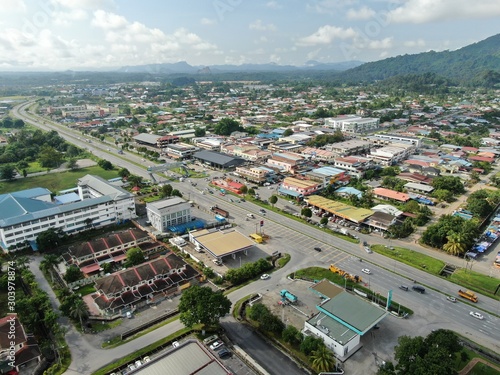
[(183, 228), (282, 190)]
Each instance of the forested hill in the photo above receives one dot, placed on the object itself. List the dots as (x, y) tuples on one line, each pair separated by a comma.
[(477, 64)]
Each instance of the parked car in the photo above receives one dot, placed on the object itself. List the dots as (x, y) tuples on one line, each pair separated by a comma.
[(264, 276), (146, 359), (403, 287), (367, 271), (476, 315), (451, 299), (224, 353), (262, 211), (210, 339), (216, 345), (317, 249)]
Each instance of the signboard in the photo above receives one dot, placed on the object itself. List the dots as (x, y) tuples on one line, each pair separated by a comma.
[(389, 299)]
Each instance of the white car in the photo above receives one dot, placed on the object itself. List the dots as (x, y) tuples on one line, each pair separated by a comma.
[(367, 271), (368, 250), (216, 345), (264, 276), (451, 299), (476, 315)]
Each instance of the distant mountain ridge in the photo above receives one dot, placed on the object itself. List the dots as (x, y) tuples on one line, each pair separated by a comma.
[(183, 67), (476, 62)]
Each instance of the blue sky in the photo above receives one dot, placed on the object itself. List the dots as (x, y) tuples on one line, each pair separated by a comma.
[(106, 34)]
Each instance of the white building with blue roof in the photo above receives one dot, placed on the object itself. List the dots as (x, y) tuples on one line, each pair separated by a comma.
[(95, 202)]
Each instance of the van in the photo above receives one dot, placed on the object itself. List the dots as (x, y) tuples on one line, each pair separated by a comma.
[(418, 288)]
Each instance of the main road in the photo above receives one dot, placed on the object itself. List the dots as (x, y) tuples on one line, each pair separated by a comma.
[(299, 239)]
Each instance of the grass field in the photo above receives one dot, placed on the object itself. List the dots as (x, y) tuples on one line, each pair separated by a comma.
[(55, 181)]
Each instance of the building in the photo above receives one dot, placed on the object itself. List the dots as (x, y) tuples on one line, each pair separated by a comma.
[(342, 319), (150, 140), (24, 346), (146, 283), (94, 203), (168, 212), (216, 160), (221, 243), (388, 194), (353, 165), (391, 155), (350, 147), (352, 124), (385, 139), (299, 188), (89, 256), (179, 151)]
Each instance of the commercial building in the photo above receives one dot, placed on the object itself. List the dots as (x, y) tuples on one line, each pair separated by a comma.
[(352, 124), (216, 160), (221, 243), (95, 202), (342, 319), (167, 212)]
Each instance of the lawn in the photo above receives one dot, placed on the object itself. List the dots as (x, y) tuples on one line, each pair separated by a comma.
[(55, 181), (472, 280), (482, 369), (86, 289), (476, 281), (412, 258)]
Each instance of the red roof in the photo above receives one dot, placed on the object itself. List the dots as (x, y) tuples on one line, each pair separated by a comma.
[(391, 194), (481, 158)]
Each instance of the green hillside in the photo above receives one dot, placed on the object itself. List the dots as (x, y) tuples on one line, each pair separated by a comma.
[(477, 64)]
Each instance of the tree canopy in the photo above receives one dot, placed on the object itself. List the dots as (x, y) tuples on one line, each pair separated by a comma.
[(226, 126), (201, 305)]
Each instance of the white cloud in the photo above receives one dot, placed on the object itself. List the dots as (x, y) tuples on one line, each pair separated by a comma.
[(13, 6), (208, 21), (414, 43), (108, 21), (274, 5), (363, 13), (422, 11), (385, 43), (326, 35), (259, 26), (84, 4), (329, 6), (67, 18)]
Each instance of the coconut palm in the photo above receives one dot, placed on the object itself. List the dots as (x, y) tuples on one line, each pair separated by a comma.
[(48, 263), (80, 311), (456, 244), (322, 359)]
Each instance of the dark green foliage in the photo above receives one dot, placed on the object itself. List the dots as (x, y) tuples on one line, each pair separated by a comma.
[(50, 239), (73, 273), (292, 335), (434, 354), (226, 126), (267, 321), (453, 184), (201, 305), (105, 164), (324, 139), (436, 235), (135, 256), (310, 344), (248, 271), (7, 172)]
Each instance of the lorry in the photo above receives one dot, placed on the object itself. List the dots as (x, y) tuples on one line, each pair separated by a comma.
[(285, 294), (219, 211), (346, 275), (467, 294)]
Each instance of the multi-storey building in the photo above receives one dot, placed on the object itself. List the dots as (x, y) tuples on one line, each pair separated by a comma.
[(352, 124), (168, 212), (391, 155), (257, 175), (94, 203), (354, 165), (350, 147)]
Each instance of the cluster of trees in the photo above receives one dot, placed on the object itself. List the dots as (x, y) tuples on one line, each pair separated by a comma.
[(324, 139), (8, 122), (226, 126), (321, 359), (434, 354), (452, 234), (483, 202), (447, 187), (33, 307), (168, 191), (202, 305), (248, 271)]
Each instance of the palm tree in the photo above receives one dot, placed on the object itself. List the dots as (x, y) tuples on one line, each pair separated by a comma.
[(455, 245), (48, 263), (322, 359), (80, 310)]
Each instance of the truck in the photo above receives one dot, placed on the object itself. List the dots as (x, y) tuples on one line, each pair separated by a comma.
[(467, 294), (285, 294), (219, 211)]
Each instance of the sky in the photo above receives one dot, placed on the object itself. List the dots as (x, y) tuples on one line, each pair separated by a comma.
[(51, 35)]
